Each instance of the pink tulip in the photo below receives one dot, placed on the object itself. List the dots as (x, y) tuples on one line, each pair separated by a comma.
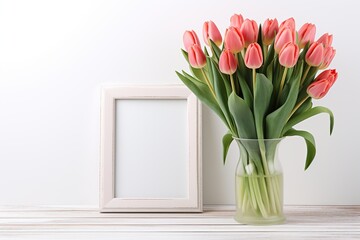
[(328, 57), (210, 31), (326, 39), (227, 62), (284, 36), (315, 55), (197, 58), (234, 41), (249, 29), (253, 56), (322, 83), (236, 20), (306, 34), (190, 38), (270, 28), (289, 55), (288, 23)]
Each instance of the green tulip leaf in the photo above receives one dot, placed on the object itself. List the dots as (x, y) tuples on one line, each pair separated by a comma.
[(227, 84), (276, 120), (297, 70), (269, 59), (276, 76), (245, 89), (185, 54), (269, 70), (307, 114), (210, 72), (226, 141), (289, 75), (303, 52), (202, 91), (309, 79), (193, 79), (260, 40), (310, 144), (284, 94), (221, 93), (215, 50), (225, 78), (206, 52), (263, 91), (243, 117), (304, 107)]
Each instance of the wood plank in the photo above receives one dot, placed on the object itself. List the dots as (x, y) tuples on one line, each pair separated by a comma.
[(303, 222)]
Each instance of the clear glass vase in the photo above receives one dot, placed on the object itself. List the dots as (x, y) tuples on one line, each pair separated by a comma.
[(259, 182)]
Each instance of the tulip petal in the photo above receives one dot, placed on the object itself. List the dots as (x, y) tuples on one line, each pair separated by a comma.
[(250, 30), (253, 56), (318, 89), (315, 54), (227, 62)]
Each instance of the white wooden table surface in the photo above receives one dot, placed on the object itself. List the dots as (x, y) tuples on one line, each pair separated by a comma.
[(303, 222)]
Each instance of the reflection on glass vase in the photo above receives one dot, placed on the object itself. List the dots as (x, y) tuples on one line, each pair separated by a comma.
[(259, 182)]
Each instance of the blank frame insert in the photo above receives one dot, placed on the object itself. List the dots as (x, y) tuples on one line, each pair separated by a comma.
[(151, 158)]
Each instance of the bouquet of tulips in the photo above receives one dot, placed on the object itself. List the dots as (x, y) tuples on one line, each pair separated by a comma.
[(261, 80)]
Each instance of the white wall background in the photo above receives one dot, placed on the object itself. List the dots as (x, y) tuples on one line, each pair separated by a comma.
[(55, 56)]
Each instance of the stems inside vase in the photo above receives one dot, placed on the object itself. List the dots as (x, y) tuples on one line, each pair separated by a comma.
[(259, 183)]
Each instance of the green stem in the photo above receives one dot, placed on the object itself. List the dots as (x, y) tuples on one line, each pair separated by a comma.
[(252, 194), (305, 74), (277, 193), (265, 48), (232, 83), (212, 50), (243, 53), (208, 83), (259, 197), (269, 191), (214, 95), (297, 107), (264, 191), (254, 79), (245, 200), (237, 59), (282, 83)]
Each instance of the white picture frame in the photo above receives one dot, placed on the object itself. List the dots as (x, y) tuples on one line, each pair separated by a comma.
[(121, 109)]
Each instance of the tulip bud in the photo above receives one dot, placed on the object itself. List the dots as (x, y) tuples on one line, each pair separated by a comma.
[(306, 34), (197, 58), (270, 28), (328, 57), (326, 39), (322, 83), (210, 31), (236, 20), (249, 29), (227, 62), (284, 36), (289, 55), (190, 38), (234, 41), (315, 55), (288, 23), (253, 56)]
